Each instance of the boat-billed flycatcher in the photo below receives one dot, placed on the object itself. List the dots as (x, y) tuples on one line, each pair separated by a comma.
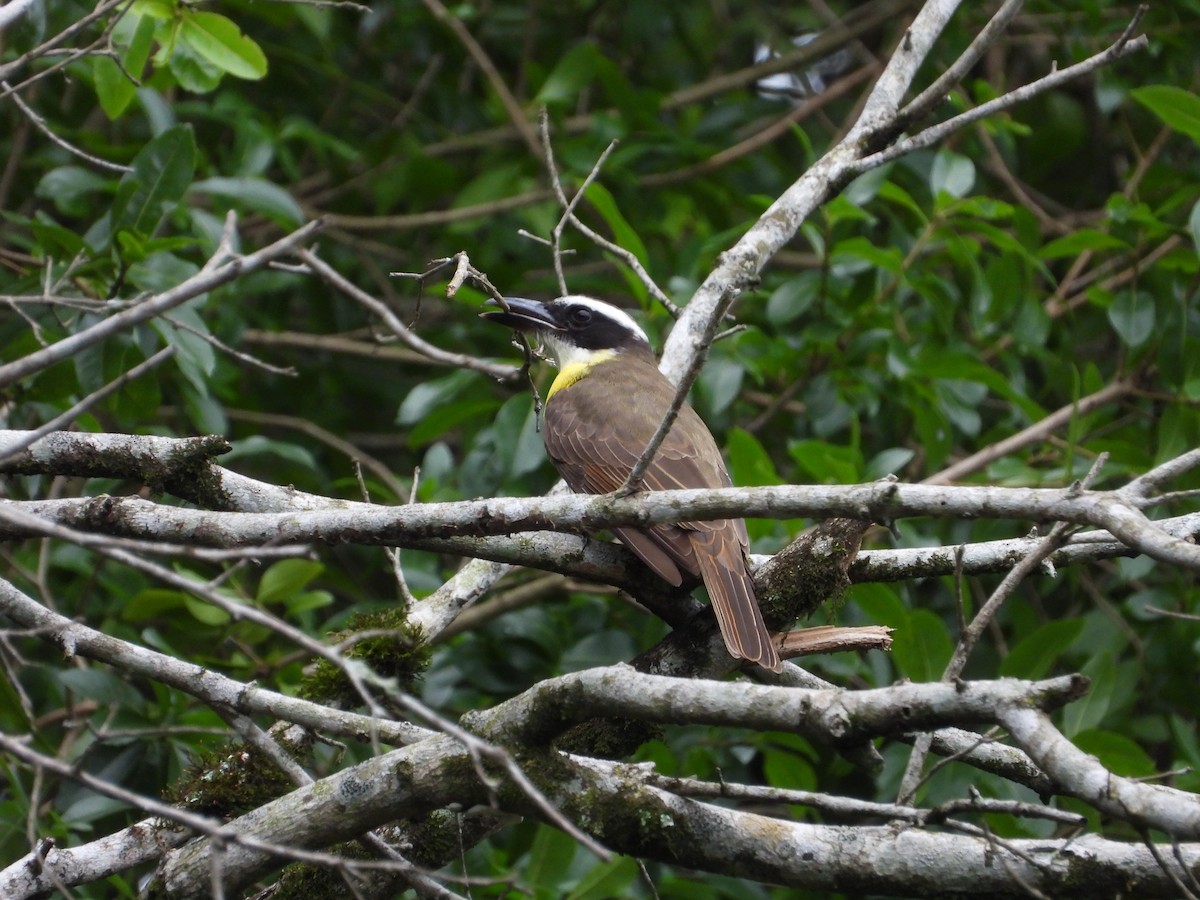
[(601, 411)]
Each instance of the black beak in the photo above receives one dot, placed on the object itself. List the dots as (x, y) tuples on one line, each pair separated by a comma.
[(522, 315)]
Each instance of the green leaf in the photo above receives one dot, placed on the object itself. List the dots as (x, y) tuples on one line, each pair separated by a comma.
[(161, 271), (957, 370), (598, 648), (114, 88), (570, 75), (219, 41), (1081, 241), (162, 171), (888, 462), (102, 686), (430, 395), (863, 189), (921, 646), (309, 600), (880, 604), (256, 194), (205, 613), (610, 879), (951, 173), (1089, 710), (55, 241), (1187, 745), (1179, 109), (1132, 317), (719, 384), (827, 463), (623, 233), (1117, 753), (549, 858), (894, 193), (139, 400), (285, 578), (788, 769), (260, 445), (195, 358), (857, 254), (161, 10), (193, 72), (1033, 657), (71, 189), (515, 438), (749, 463), (793, 298), (438, 421)]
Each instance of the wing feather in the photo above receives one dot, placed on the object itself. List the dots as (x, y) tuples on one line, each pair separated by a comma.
[(594, 458)]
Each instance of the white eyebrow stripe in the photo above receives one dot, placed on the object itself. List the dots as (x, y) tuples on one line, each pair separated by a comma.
[(606, 309)]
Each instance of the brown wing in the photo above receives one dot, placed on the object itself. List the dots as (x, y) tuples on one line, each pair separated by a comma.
[(593, 457)]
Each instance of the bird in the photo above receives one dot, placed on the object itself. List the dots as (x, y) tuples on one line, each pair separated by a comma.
[(601, 410)]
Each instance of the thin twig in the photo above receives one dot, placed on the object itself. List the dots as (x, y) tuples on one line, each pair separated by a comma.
[(214, 341), (329, 274), (1058, 536), (40, 124), (1031, 434), (313, 430), (936, 92), (935, 134), (568, 215), (61, 421), (515, 114), (220, 269), (633, 481)]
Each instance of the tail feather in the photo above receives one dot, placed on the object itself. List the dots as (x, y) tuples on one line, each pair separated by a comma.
[(723, 567)]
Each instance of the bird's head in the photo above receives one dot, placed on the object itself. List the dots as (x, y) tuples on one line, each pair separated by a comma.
[(576, 329)]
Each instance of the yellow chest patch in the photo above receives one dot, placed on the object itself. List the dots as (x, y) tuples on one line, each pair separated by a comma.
[(573, 372)]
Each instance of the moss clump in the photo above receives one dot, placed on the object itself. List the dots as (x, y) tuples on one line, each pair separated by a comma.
[(607, 738), (301, 880), (398, 650), (228, 782)]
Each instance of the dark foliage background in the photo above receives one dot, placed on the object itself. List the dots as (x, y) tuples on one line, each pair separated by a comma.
[(935, 307)]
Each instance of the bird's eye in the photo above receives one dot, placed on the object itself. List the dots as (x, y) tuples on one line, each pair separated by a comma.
[(579, 316)]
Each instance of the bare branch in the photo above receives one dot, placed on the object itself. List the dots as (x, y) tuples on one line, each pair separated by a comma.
[(200, 682), (40, 124), (515, 114), (69, 416), (936, 92), (835, 717), (1080, 775), (595, 237), (378, 308), (1122, 47), (217, 271), (13, 10), (409, 525)]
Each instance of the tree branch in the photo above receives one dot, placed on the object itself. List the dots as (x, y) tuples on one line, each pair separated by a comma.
[(856, 153), (1080, 775), (405, 526), (835, 717), (217, 271)]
